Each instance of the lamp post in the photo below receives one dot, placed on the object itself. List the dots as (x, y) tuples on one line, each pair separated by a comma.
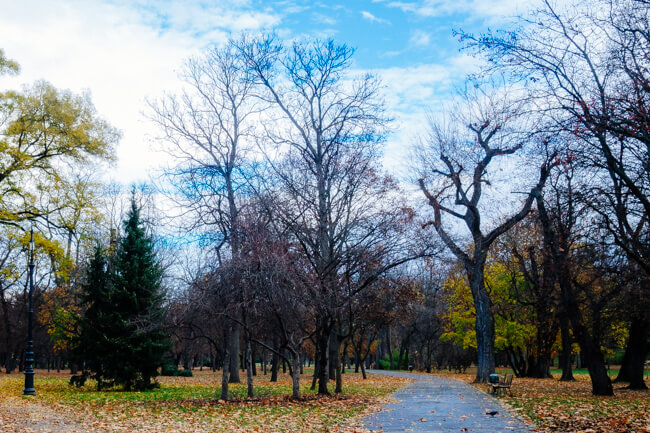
[(29, 351)]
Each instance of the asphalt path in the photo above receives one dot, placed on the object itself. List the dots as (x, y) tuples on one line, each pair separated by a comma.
[(437, 404)]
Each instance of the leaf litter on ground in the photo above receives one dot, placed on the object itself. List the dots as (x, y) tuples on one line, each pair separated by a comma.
[(191, 404)]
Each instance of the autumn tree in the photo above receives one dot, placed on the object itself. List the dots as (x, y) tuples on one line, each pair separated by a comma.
[(208, 129), (48, 137), (586, 68), (322, 135), (41, 128), (532, 286), (454, 162), (276, 282)]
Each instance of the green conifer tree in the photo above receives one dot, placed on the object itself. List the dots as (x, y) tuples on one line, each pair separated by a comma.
[(122, 335), (96, 326)]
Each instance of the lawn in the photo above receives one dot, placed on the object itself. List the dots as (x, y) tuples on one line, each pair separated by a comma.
[(569, 407), (191, 404)]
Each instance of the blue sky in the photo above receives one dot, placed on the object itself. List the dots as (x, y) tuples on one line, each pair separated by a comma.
[(123, 51)]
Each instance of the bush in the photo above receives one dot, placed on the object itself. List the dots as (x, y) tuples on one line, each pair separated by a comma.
[(172, 370), (168, 370)]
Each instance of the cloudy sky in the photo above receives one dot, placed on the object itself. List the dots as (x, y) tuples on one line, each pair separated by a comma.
[(124, 51)]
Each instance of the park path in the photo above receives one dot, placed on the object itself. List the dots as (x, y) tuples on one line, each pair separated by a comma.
[(18, 415), (437, 404)]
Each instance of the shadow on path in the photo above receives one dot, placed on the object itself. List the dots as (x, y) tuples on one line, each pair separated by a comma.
[(437, 404)]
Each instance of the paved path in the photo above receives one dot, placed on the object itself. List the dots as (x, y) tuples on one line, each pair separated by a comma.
[(436, 404)]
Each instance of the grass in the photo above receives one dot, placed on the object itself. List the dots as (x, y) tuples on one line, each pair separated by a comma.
[(188, 404)]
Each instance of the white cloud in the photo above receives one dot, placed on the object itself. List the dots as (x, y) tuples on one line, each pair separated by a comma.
[(121, 51), (477, 8), (412, 93), (420, 38), (370, 17), (324, 19)]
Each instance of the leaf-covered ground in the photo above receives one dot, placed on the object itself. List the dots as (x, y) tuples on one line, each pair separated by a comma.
[(187, 405), (569, 407)]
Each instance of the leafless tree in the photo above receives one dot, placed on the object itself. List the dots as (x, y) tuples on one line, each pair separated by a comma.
[(207, 128), (322, 137), (455, 161), (587, 67)]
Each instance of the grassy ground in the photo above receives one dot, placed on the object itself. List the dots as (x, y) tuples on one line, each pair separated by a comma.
[(191, 404), (569, 407)]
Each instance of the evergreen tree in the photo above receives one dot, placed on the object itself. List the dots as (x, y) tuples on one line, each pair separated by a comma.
[(122, 336), (94, 347)]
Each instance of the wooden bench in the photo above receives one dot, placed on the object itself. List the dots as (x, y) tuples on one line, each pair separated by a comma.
[(505, 383)]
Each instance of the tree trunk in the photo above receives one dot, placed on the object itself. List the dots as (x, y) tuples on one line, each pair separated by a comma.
[(249, 369), (600, 381), (484, 321), (565, 355), (539, 367), (234, 354), (338, 366), (314, 379), (225, 373), (254, 359), (275, 364), (9, 362), (363, 370), (390, 350), (264, 361), (295, 382), (635, 354), (323, 365)]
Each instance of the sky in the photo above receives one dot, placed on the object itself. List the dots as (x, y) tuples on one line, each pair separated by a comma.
[(125, 51)]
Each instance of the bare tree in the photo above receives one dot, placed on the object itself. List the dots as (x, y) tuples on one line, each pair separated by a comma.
[(207, 128), (322, 139), (587, 67), (454, 162)]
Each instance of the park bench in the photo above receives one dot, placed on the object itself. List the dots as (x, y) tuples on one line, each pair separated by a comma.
[(504, 383)]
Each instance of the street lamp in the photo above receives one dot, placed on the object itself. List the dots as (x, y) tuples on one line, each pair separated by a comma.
[(29, 351)]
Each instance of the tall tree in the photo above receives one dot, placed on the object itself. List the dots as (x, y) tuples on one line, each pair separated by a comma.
[(94, 345), (586, 66), (122, 330), (454, 164), (208, 130), (38, 129), (322, 136)]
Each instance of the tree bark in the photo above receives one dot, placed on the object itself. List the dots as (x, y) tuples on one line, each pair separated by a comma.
[(484, 321), (275, 364), (249, 369), (314, 379), (635, 354), (234, 354), (225, 372), (333, 348), (338, 366), (254, 359), (565, 355), (323, 366), (600, 381), (295, 382), (390, 350)]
